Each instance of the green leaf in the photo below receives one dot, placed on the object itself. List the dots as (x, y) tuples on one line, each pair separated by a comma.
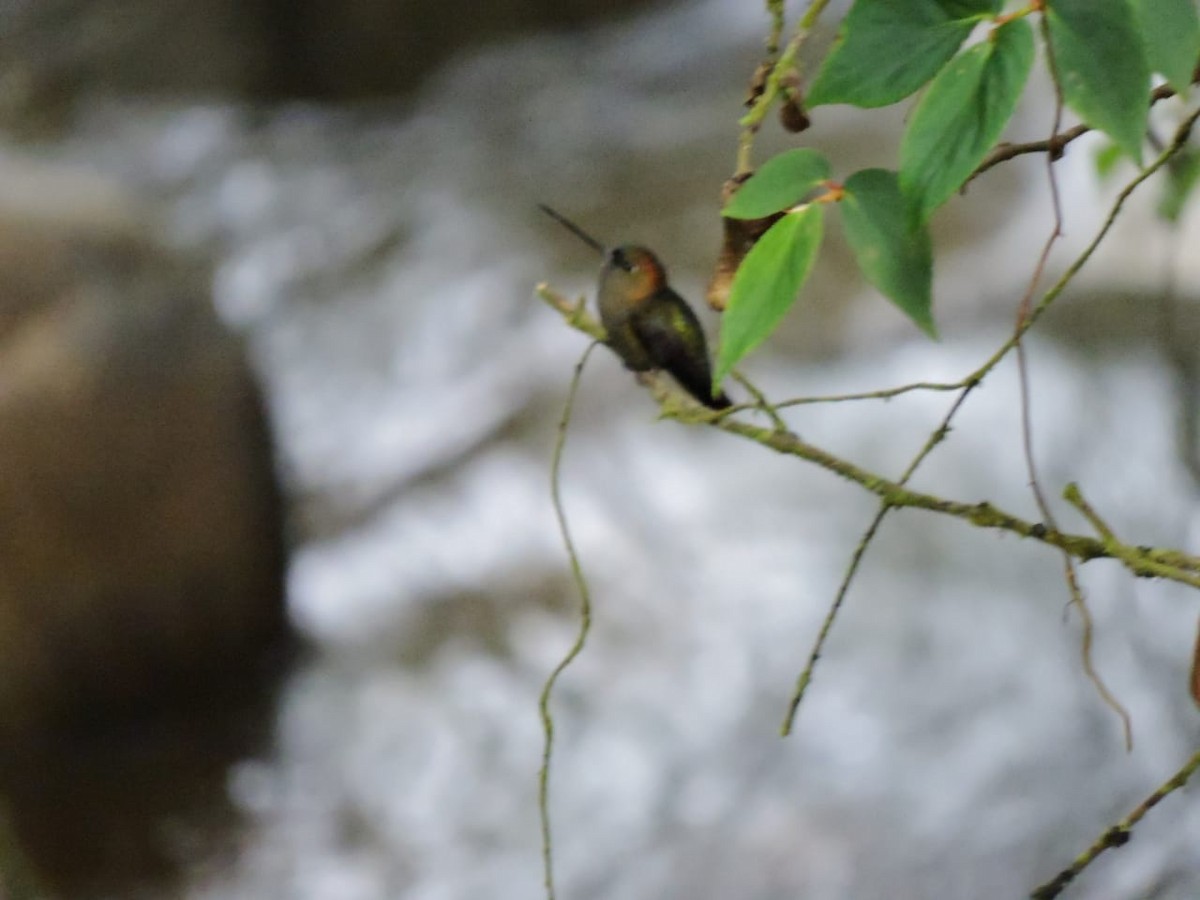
[(782, 181), (1171, 29), (766, 284), (1102, 68), (894, 254), (886, 49), (962, 114), (1182, 174), (1106, 157)]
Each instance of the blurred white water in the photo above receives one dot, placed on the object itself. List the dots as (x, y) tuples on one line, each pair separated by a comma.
[(950, 743), (382, 263)]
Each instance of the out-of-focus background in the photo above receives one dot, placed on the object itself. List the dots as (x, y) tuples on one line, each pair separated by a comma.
[(279, 575)]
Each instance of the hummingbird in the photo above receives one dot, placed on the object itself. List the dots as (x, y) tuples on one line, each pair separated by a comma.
[(649, 326)]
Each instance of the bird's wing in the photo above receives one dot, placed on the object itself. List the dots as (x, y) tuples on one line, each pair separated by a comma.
[(673, 337)]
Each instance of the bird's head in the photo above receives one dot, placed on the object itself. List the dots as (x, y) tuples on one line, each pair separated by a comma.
[(633, 272)]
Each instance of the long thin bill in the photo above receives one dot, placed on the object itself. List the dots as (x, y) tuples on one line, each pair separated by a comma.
[(574, 229)]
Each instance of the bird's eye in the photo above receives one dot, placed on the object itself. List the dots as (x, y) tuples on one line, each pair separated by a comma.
[(622, 261)]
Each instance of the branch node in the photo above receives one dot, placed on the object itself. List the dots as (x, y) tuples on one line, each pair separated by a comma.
[(1074, 496)]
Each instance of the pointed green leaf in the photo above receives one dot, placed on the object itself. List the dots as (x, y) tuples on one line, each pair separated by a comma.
[(894, 254), (1171, 30), (1182, 173), (886, 49), (766, 284), (1102, 68), (962, 114), (782, 181), (1106, 157)]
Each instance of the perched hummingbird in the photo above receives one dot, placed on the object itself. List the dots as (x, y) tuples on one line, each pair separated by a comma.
[(649, 325)]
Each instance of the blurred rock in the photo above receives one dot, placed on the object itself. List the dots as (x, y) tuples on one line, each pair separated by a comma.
[(142, 618), (132, 811), (52, 51), (141, 536), (348, 49)]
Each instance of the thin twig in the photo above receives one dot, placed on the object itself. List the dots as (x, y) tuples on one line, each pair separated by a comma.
[(753, 119), (775, 11), (1070, 576), (1118, 834), (1177, 144), (802, 682), (585, 624), (575, 313), (814, 655), (760, 402), (1053, 145), (1074, 496), (885, 394)]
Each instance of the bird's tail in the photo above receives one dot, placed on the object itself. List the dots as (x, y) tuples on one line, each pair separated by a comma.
[(720, 401), (699, 385)]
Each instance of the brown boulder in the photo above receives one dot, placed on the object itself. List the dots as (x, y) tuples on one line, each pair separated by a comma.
[(141, 536)]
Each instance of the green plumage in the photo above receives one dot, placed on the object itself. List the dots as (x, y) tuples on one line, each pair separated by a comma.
[(650, 326)]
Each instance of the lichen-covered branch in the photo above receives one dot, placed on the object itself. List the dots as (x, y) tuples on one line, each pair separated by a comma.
[(585, 625), (805, 678), (1118, 834), (1145, 562)]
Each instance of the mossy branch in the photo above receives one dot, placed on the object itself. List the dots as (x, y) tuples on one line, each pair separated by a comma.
[(1144, 562), (585, 621), (860, 550), (1118, 834)]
